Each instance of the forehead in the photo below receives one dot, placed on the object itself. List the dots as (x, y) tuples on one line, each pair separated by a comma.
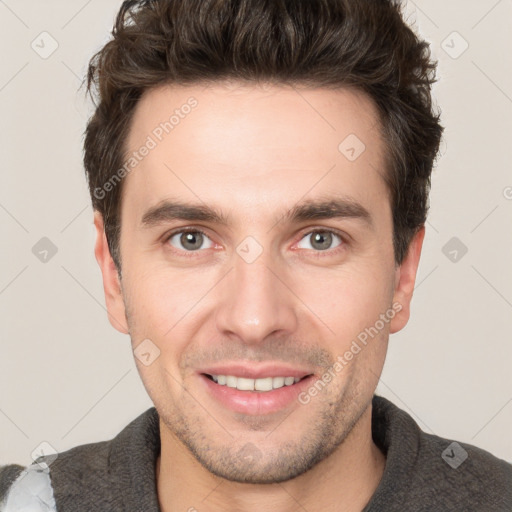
[(245, 147)]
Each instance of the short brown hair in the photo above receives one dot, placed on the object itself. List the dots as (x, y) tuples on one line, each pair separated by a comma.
[(319, 43)]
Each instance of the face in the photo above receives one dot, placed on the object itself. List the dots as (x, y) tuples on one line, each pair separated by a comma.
[(256, 245)]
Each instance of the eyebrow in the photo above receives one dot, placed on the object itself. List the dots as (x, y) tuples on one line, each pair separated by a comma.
[(317, 209)]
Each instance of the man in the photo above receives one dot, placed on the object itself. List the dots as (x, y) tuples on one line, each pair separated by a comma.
[(260, 173)]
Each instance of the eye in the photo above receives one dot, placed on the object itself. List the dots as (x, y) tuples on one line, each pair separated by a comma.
[(321, 240), (190, 240)]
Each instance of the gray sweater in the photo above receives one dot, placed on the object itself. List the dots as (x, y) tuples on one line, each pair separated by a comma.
[(423, 473)]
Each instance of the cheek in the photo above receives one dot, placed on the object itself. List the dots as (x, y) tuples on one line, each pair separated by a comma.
[(160, 298), (161, 314), (347, 300)]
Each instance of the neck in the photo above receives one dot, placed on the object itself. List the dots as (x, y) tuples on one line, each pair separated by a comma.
[(347, 478)]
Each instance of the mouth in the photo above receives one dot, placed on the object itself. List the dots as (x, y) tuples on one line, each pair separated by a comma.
[(256, 396), (262, 384)]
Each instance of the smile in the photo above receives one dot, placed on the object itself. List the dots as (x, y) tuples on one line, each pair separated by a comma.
[(261, 384), (255, 396)]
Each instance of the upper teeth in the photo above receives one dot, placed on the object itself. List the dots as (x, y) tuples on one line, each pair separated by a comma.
[(265, 384)]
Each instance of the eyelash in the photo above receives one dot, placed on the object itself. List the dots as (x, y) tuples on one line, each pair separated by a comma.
[(317, 254)]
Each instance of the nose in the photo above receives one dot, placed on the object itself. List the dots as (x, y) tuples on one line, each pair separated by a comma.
[(256, 301)]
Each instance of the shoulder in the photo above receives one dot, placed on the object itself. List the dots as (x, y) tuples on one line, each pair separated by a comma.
[(8, 475), (467, 470), (428, 472), (26, 488), (93, 476), (32, 487)]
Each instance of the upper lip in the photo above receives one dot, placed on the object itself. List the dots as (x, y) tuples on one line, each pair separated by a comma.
[(256, 371)]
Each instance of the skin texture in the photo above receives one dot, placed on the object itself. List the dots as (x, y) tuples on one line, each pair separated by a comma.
[(253, 153)]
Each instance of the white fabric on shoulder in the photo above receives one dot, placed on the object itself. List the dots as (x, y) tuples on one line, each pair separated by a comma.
[(31, 491)]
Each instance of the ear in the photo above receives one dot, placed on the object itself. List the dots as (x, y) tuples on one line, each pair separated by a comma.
[(111, 284), (405, 278)]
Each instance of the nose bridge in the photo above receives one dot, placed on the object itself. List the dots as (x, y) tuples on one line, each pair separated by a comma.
[(255, 302)]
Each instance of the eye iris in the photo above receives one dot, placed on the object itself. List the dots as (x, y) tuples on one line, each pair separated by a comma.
[(195, 238), (323, 238)]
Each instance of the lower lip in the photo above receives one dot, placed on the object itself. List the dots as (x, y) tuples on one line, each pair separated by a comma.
[(256, 402)]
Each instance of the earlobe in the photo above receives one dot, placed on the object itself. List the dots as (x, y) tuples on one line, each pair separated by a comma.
[(111, 284), (405, 279)]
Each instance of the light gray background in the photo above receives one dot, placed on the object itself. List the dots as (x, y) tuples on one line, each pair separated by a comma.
[(68, 378)]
